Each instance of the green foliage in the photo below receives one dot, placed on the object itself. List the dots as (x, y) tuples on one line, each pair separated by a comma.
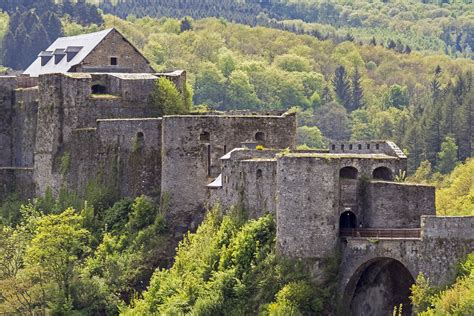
[(455, 195), (447, 157), (296, 298), (397, 96), (168, 100), (9, 210), (458, 299), (310, 136), (227, 267)]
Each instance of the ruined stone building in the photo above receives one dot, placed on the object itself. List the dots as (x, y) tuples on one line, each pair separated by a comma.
[(82, 113)]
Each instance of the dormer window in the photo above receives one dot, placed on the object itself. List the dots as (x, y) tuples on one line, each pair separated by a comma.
[(45, 57), (59, 55), (71, 52), (113, 61)]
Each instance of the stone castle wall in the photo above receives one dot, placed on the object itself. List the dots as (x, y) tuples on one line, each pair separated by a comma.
[(312, 197), (397, 205), (193, 146), (248, 179)]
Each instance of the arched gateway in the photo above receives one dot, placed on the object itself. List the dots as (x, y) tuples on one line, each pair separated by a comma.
[(376, 287)]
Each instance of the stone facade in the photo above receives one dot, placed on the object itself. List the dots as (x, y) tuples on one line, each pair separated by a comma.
[(114, 45)]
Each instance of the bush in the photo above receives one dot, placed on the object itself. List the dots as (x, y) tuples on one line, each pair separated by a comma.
[(168, 100)]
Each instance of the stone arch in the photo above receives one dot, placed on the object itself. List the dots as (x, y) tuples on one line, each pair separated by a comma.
[(98, 89), (347, 220), (383, 173), (376, 287), (348, 172)]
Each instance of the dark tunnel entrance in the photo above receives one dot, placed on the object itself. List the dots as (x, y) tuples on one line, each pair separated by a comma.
[(378, 287), (347, 220)]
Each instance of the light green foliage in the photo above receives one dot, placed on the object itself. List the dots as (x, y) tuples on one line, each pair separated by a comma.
[(52, 256), (310, 136), (423, 173), (455, 195), (167, 99), (241, 93), (296, 298), (228, 267), (447, 157), (289, 62), (458, 299)]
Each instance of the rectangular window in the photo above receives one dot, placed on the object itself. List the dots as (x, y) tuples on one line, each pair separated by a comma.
[(113, 61)]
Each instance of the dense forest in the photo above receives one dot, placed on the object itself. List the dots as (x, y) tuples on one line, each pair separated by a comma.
[(34, 25), (428, 25), (349, 69)]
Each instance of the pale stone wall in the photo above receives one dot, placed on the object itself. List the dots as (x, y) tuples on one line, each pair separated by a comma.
[(397, 205), (114, 45), (450, 227)]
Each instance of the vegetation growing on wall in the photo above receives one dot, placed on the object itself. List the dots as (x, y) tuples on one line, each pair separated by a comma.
[(168, 100)]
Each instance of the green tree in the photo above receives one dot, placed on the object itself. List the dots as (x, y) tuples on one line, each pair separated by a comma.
[(397, 96), (357, 91), (342, 87), (240, 92), (447, 157), (167, 99), (186, 24), (54, 253), (310, 136)]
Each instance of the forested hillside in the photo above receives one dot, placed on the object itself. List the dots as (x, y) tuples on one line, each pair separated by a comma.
[(431, 25), (33, 25), (344, 91)]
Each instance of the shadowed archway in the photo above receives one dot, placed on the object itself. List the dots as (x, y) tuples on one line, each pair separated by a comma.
[(383, 173), (377, 287)]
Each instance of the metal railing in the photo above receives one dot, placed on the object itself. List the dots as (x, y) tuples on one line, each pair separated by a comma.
[(381, 233)]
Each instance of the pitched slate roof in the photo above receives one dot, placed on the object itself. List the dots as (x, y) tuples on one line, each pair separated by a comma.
[(81, 45)]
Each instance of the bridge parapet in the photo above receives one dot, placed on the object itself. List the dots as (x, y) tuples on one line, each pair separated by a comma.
[(449, 227)]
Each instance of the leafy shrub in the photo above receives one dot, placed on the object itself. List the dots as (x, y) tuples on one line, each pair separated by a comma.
[(168, 100)]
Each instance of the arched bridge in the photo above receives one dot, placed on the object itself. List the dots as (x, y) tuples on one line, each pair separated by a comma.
[(379, 266)]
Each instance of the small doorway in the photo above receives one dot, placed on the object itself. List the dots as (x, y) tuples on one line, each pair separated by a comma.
[(347, 220)]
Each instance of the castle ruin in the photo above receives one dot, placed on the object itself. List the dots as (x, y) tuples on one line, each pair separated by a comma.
[(92, 120)]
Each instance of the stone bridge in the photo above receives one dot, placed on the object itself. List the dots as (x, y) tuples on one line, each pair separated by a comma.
[(376, 272)]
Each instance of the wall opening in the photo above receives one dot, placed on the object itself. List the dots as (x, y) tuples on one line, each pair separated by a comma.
[(377, 287), (347, 220), (383, 173), (98, 89), (260, 136), (259, 174), (359, 146), (113, 61), (205, 137), (139, 140), (348, 173)]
